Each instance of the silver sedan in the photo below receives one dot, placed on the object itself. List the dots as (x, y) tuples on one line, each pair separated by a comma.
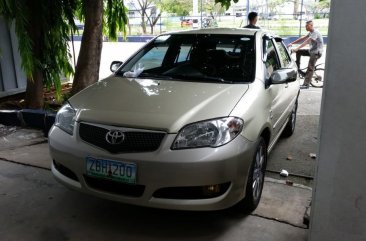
[(186, 123)]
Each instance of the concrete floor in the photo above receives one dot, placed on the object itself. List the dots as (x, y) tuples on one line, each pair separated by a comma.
[(34, 206)]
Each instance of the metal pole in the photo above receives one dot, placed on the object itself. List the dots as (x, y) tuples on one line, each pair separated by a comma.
[(160, 17), (302, 4), (248, 8), (267, 14), (201, 13)]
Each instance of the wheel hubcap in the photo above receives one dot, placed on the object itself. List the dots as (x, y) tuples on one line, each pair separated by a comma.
[(258, 173)]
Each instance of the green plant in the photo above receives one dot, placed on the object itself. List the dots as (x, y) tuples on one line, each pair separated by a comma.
[(43, 29)]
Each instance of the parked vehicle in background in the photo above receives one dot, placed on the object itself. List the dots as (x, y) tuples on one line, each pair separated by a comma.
[(196, 23), (186, 123), (186, 22)]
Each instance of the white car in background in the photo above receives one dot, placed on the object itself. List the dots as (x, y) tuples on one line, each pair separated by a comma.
[(196, 22)]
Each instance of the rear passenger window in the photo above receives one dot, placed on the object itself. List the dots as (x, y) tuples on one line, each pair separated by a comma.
[(283, 54)]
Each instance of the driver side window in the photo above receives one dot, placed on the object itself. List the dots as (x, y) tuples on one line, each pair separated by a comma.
[(283, 54), (272, 62)]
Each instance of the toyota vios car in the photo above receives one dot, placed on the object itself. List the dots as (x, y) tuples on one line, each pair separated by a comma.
[(185, 123)]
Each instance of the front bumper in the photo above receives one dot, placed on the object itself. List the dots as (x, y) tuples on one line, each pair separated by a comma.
[(162, 168)]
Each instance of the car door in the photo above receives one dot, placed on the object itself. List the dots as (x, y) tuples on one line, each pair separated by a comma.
[(291, 89), (275, 92)]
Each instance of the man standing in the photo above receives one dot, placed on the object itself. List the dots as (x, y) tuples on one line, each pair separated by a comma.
[(315, 41), (252, 18)]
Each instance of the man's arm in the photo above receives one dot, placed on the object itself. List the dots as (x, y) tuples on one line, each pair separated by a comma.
[(298, 40), (302, 45)]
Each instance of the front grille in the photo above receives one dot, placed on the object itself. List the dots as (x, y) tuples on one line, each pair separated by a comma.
[(114, 187), (134, 141)]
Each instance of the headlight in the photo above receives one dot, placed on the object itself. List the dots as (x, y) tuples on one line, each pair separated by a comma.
[(211, 133), (65, 118)]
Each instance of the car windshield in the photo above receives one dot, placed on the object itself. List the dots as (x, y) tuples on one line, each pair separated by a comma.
[(195, 57)]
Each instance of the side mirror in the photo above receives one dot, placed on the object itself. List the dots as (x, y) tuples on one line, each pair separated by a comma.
[(115, 65), (283, 76)]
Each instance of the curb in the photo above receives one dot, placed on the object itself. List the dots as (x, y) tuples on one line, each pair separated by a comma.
[(283, 182), (10, 118), (38, 119)]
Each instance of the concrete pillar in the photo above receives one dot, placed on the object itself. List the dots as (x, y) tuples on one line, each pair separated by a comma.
[(339, 197)]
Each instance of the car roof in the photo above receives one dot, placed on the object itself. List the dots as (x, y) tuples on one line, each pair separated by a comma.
[(233, 31)]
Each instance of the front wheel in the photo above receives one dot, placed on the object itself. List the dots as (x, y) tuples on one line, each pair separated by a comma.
[(317, 80), (255, 180), (290, 126)]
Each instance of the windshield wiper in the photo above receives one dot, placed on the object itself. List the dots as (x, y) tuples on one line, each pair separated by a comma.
[(203, 77), (154, 76)]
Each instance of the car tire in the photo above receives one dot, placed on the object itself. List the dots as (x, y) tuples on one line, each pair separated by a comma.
[(291, 123), (255, 180)]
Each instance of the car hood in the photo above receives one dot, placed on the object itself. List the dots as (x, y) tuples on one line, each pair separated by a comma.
[(155, 104)]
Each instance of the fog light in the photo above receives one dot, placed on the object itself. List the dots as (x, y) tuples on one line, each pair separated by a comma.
[(211, 190)]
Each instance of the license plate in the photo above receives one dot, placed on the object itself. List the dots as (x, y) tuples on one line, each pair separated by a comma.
[(115, 170)]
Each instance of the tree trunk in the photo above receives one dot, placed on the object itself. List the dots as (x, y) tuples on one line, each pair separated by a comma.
[(87, 68), (143, 23), (34, 90), (153, 23)]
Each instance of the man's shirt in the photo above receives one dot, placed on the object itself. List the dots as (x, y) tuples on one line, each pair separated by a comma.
[(316, 43)]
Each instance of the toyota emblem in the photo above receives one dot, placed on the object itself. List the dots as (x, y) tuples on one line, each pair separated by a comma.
[(115, 137)]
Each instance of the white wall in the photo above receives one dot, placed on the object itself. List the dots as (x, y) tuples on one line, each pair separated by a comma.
[(339, 200), (111, 51)]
